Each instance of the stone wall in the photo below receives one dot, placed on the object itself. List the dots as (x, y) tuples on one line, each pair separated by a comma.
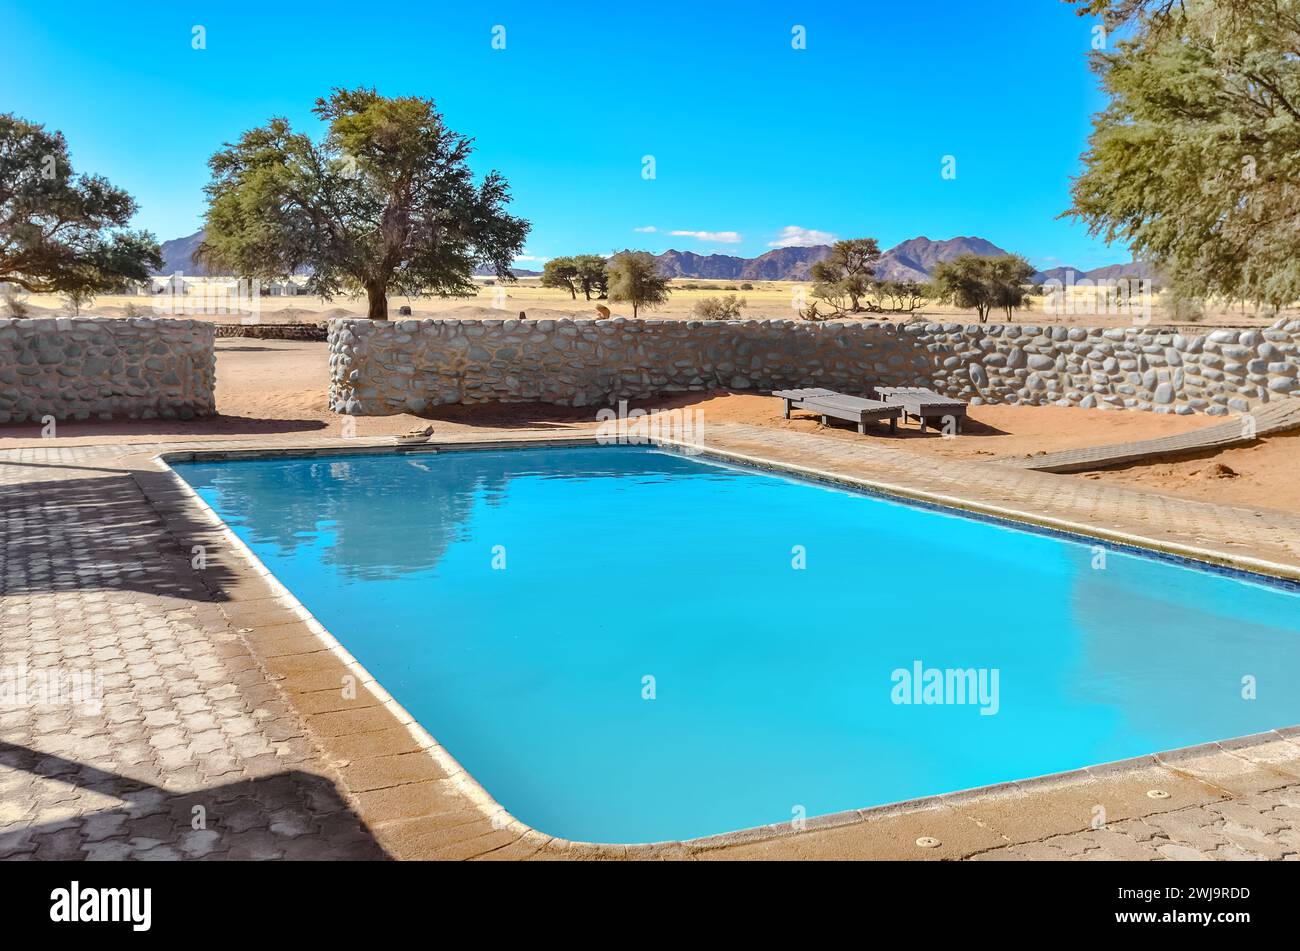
[(83, 367), (380, 368), (317, 331)]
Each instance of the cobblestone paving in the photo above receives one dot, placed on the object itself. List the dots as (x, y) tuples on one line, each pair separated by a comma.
[(160, 737), (1264, 826), (213, 726)]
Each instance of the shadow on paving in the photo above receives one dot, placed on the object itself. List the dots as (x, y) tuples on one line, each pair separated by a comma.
[(219, 425), (291, 815), (85, 534)]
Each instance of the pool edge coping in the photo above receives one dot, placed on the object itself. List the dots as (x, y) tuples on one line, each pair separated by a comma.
[(502, 819)]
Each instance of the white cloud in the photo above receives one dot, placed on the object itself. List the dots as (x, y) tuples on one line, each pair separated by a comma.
[(648, 229), (722, 237), (792, 236), (526, 258)]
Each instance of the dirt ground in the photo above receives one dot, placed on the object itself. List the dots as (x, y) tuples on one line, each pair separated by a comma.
[(274, 386)]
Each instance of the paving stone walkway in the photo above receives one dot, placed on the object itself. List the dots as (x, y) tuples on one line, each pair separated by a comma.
[(148, 730), (1276, 417), (212, 724), (1259, 827)]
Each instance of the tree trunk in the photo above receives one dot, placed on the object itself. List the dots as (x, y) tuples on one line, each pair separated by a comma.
[(375, 293), (634, 310), (573, 293)]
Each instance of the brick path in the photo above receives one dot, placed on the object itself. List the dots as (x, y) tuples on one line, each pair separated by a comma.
[(223, 732)]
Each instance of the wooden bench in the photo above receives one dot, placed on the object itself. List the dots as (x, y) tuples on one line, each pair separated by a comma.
[(923, 403), (828, 403)]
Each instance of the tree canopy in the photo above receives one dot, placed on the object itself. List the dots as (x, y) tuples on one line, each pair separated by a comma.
[(593, 275), (634, 277), (844, 276), (61, 232), (896, 297), (386, 202), (1195, 162), (561, 273), (581, 272), (982, 283)]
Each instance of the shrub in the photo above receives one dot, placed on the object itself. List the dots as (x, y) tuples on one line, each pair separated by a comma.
[(719, 308), (746, 287)]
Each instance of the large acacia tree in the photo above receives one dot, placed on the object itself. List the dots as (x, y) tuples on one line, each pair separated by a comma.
[(61, 232), (384, 203), (561, 273), (593, 275), (843, 277), (982, 283), (1195, 162)]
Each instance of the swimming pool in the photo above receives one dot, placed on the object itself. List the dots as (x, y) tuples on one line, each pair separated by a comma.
[(628, 645)]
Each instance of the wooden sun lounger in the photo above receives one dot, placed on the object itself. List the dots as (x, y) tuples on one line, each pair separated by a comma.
[(827, 403), (923, 403)]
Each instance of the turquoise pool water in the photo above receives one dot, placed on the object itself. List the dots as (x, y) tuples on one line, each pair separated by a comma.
[(518, 602)]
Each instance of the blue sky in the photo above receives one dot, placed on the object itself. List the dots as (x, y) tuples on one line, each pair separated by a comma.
[(750, 137)]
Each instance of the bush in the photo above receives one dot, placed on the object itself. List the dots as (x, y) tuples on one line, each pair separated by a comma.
[(746, 287), (719, 308)]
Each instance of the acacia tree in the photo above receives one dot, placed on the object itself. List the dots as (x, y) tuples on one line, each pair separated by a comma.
[(898, 297), (563, 273), (386, 202), (982, 283), (593, 275), (843, 278), (59, 230), (634, 277), (1010, 280), (1195, 162)]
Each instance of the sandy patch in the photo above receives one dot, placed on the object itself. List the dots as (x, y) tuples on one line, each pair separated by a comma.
[(1262, 475)]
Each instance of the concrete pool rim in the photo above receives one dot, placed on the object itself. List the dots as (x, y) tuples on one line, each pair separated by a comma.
[(1255, 570)]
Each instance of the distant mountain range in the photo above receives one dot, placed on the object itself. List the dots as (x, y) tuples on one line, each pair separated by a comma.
[(911, 260), (781, 264), (177, 255)]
